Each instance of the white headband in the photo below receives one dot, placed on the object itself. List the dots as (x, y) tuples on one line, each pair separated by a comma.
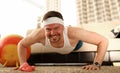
[(52, 20)]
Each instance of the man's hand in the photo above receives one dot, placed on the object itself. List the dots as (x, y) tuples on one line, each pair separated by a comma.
[(26, 67), (91, 67)]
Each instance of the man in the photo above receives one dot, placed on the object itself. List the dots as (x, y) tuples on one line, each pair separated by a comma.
[(61, 39)]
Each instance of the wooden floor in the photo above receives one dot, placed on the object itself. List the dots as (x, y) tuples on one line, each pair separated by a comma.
[(64, 69)]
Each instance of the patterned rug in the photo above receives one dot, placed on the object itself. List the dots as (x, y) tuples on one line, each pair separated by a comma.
[(63, 69)]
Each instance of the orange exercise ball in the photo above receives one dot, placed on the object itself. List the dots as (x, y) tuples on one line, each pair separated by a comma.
[(8, 50)]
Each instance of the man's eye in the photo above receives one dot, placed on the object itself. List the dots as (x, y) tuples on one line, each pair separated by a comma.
[(48, 29)]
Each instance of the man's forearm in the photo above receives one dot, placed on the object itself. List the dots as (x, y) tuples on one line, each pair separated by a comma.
[(21, 54), (101, 51)]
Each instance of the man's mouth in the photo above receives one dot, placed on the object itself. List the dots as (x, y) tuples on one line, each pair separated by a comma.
[(54, 38)]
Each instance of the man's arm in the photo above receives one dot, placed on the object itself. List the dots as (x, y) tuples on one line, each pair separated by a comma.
[(34, 37), (100, 53), (26, 42), (94, 38)]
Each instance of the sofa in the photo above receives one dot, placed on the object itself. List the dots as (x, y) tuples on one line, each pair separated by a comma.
[(84, 55)]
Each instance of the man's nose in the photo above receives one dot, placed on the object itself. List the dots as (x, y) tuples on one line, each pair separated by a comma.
[(53, 32)]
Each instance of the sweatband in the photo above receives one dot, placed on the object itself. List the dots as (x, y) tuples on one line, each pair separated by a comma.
[(52, 20)]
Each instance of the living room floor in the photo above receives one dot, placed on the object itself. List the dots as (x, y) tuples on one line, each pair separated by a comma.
[(64, 69)]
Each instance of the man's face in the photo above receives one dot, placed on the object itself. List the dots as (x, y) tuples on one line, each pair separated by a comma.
[(54, 32)]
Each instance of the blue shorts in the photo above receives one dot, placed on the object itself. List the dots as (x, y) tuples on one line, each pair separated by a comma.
[(79, 45)]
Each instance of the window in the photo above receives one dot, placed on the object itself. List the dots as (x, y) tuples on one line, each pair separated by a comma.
[(69, 11), (17, 16)]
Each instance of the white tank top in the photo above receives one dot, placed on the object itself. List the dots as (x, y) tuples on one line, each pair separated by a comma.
[(67, 48)]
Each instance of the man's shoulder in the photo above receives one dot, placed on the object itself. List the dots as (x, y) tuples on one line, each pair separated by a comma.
[(73, 28), (37, 30), (37, 33)]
